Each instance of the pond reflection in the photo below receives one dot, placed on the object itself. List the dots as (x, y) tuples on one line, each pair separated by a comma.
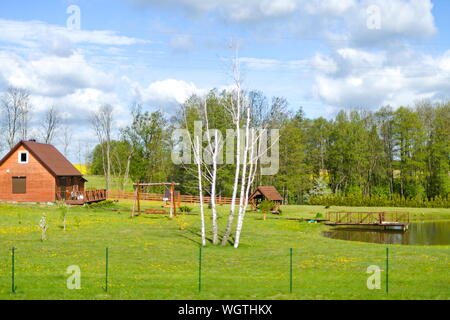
[(419, 233)]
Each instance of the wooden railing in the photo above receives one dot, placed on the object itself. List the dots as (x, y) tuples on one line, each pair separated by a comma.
[(86, 196), (124, 195), (367, 218), (95, 195)]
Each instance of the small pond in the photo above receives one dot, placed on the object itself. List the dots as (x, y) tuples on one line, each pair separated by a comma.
[(419, 233)]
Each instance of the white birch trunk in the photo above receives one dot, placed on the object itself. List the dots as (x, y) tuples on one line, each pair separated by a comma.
[(242, 201), (237, 119), (213, 195), (213, 175), (200, 189)]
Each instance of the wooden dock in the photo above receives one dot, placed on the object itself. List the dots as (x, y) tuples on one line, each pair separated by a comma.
[(384, 220)]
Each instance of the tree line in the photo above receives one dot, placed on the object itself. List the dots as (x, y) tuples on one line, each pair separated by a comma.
[(390, 152), (402, 152)]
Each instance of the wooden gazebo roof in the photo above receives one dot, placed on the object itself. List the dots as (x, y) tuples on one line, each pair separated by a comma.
[(268, 192)]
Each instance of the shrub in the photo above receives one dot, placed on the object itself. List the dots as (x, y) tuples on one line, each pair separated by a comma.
[(185, 209), (102, 204), (266, 206)]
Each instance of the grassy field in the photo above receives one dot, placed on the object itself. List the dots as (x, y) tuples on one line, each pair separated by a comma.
[(98, 182), (154, 257)]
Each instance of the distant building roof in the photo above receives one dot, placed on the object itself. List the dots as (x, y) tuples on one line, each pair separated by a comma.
[(48, 156), (269, 192)]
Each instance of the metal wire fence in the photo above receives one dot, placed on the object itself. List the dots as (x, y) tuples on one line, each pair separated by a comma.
[(223, 273)]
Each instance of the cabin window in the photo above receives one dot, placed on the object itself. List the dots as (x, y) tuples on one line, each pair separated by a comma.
[(23, 157), (19, 185)]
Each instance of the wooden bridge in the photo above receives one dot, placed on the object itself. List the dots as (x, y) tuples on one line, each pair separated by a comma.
[(385, 220)]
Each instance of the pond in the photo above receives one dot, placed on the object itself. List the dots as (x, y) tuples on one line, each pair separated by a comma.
[(419, 233)]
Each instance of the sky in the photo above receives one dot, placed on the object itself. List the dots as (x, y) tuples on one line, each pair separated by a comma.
[(322, 55)]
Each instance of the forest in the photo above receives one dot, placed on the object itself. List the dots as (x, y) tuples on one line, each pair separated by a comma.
[(398, 156)]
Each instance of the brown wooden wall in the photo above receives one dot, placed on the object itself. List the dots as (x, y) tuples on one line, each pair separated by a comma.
[(70, 182), (40, 184)]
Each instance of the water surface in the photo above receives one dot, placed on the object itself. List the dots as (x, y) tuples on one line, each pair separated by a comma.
[(419, 233)]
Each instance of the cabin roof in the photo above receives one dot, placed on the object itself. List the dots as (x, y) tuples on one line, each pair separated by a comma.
[(269, 192), (53, 160)]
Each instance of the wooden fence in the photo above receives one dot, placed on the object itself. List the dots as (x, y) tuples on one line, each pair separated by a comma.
[(367, 218), (124, 195)]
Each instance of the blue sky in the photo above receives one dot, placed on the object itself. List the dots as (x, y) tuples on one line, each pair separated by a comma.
[(319, 54)]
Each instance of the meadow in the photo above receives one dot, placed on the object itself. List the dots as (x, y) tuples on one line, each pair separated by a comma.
[(155, 257)]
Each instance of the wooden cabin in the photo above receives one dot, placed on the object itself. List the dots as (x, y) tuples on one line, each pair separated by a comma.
[(265, 193), (37, 172)]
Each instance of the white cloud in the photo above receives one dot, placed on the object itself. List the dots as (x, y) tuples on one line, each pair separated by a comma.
[(33, 33), (324, 64), (398, 19), (166, 93), (52, 76), (330, 7), (337, 20), (367, 79)]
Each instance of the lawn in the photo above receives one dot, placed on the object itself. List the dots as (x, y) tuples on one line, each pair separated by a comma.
[(98, 182), (154, 257)]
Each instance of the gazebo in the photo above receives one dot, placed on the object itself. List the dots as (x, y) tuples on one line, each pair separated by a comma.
[(265, 193)]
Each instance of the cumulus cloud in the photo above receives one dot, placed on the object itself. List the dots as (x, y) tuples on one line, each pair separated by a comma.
[(48, 61), (52, 76), (367, 79), (165, 94), (337, 20)]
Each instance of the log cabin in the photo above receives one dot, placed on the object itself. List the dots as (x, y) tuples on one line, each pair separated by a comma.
[(38, 172)]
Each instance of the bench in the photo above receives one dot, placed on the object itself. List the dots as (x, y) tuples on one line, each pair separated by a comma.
[(155, 211)]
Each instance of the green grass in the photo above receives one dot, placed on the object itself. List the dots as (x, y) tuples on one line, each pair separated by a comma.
[(98, 182), (150, 257)]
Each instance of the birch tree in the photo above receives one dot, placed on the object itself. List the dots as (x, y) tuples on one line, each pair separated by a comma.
[(214, 146), (195, 145), (234, 108), (248, 153), (252, 153), (197, 152)]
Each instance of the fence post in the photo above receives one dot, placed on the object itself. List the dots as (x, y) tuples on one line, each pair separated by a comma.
[(387, 270), (290, 276), (200, 270), (106, 269), (13, 286)]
